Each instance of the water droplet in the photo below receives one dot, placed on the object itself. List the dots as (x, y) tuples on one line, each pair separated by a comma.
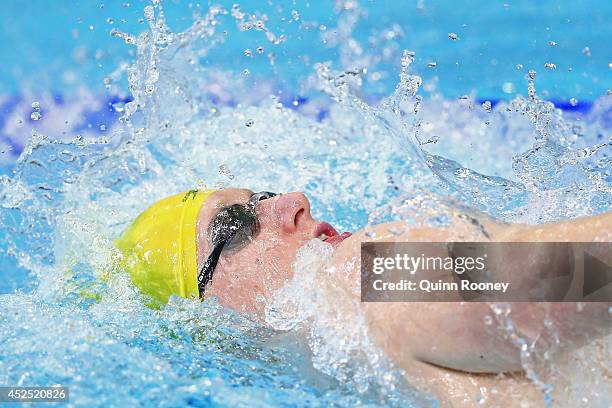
[(573, 101), (550, 65), (519, 66), (432, 64), (35, 115), (103, 127), (453, 36), (246, 72), (248, 52), (508, 87), (487, 105), (225, 171), (610, 65), (126, 5), (149, 13), (462, 173), (91, 28), (552, 43), (432, 140), (531, 74), (295, 15), (259, 25), (36, 105), (586, 51), (119, 107), (110, 21), (249, 123), (260, 49), (488, 320)]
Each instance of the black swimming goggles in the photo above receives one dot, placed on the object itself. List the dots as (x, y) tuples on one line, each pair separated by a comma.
[(232, 228)]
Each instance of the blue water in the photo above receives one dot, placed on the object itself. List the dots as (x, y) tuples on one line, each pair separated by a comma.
[(92, 130)]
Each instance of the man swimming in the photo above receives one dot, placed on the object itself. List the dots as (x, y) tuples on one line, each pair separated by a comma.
[(239, 247)]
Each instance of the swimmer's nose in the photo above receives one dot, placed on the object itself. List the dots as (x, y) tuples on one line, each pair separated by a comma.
[(291, 211)]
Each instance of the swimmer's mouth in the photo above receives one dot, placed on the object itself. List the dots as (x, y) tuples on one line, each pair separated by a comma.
[(326, 233)]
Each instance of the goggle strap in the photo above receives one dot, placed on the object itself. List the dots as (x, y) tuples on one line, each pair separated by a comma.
[(205, 275)]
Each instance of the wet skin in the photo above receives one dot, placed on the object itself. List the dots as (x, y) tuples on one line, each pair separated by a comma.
[(443, 347)]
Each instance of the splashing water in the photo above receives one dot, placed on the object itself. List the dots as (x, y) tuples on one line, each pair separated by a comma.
[(68, 317)]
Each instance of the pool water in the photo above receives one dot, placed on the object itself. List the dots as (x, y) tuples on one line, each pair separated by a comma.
[(378, 111)]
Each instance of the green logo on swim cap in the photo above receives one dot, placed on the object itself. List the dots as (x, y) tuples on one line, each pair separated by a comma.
[(192, 193)]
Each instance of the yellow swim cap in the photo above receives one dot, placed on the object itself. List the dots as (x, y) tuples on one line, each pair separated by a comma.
[(159, 247)]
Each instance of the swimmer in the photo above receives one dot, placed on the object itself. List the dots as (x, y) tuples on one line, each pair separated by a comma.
[(239, 246)]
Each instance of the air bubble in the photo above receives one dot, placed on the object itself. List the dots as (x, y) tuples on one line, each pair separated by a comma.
[(432, 64), (35, 105), (249, 123), (573, 101), (248, 52), (260, 49), (110, 21), (519, 66), (453, 36), (35, 115), (488, 320), (552, 43), (487, 106), (550, 65), (295, 15)]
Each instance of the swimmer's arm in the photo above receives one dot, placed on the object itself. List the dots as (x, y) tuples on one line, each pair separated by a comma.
[(584, 229), (453, 335), (596, 228)]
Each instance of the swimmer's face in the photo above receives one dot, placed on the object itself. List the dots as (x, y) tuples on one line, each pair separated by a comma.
[(247, 275)]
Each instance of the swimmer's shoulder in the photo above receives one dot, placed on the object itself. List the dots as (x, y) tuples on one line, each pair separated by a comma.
[(463, 227)]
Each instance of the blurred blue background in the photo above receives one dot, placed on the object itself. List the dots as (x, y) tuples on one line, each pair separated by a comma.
[(57, 46), (54, 52)]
